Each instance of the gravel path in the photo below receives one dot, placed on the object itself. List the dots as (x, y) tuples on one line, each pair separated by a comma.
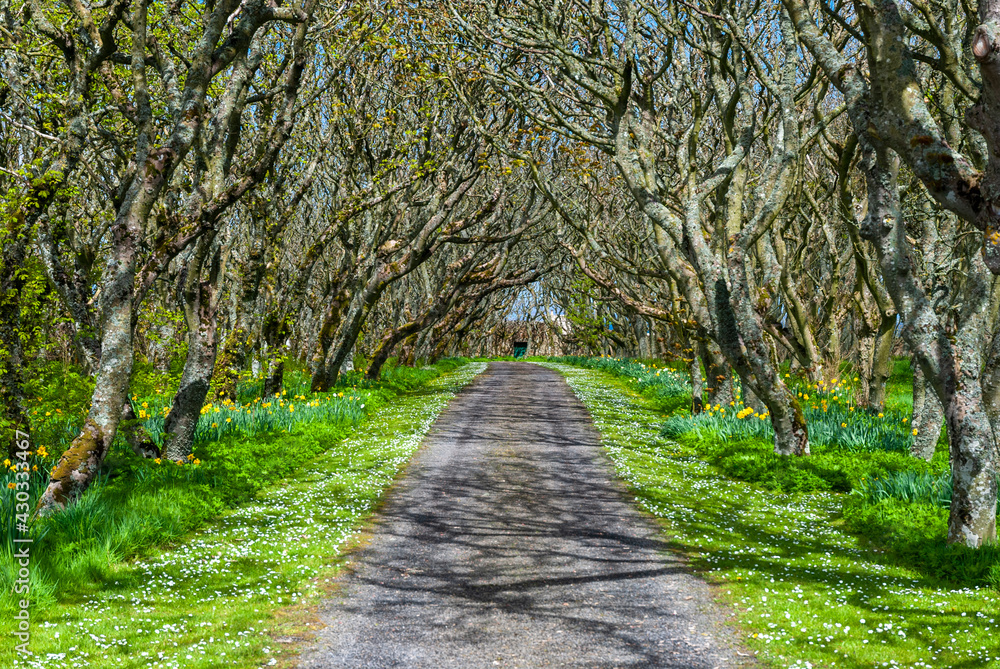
[(509, 544)]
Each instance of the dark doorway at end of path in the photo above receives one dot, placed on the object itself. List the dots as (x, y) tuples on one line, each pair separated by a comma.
[(520, 349)]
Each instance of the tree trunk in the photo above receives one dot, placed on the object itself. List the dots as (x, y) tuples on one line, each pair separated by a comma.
[(718, 376), (346, 340), (331, 321), (82, 460), (185, 411), (751, 400), (991, 390), (226, 375), (275, 378), (409, 350), (952, 364), (881, 366), (14, 417), (739, 323), (928, 416)]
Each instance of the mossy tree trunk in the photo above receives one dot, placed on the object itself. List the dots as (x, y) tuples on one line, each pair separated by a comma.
[(332, 316), (951, 361), (12, 281), (226, 375), (199, 299)]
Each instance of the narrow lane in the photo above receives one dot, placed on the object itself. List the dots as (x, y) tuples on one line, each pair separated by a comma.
[(509, 544)]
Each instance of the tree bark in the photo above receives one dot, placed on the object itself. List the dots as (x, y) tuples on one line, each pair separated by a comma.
[(331, 321), (718, 386), (11, 354), (275, 378), (226, 374), (80, 463), (881, 366), (950, 362), (185, 411), (928, 416)]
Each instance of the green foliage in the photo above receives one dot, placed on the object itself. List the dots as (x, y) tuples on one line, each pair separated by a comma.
[(835, 426), (915, 533), (831, 415), (829, 468), (161, 334), (588, 324), (908, 486)]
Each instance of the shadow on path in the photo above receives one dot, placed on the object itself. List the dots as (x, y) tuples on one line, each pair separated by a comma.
[(509, 544)]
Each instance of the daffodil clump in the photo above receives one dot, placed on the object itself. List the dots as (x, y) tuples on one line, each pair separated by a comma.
[(831, 413), (37, 462), (278, 412)]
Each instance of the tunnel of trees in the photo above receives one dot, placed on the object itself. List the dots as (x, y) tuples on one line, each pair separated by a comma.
[(730, 185)]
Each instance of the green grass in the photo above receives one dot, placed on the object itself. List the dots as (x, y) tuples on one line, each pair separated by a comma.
[(221, 596), (137, 506), (668, 387), (806, 589)]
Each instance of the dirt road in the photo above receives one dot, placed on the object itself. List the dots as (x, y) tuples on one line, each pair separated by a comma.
[(509, 544)]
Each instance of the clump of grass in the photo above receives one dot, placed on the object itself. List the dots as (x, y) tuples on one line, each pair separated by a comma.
[(831, 416), (908, 486)]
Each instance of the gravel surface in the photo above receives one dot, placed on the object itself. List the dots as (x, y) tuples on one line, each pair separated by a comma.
[(509, 544)]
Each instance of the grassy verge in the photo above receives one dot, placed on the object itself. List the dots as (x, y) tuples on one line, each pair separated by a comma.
[(220, 597), (137, 504), (806, 591)]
